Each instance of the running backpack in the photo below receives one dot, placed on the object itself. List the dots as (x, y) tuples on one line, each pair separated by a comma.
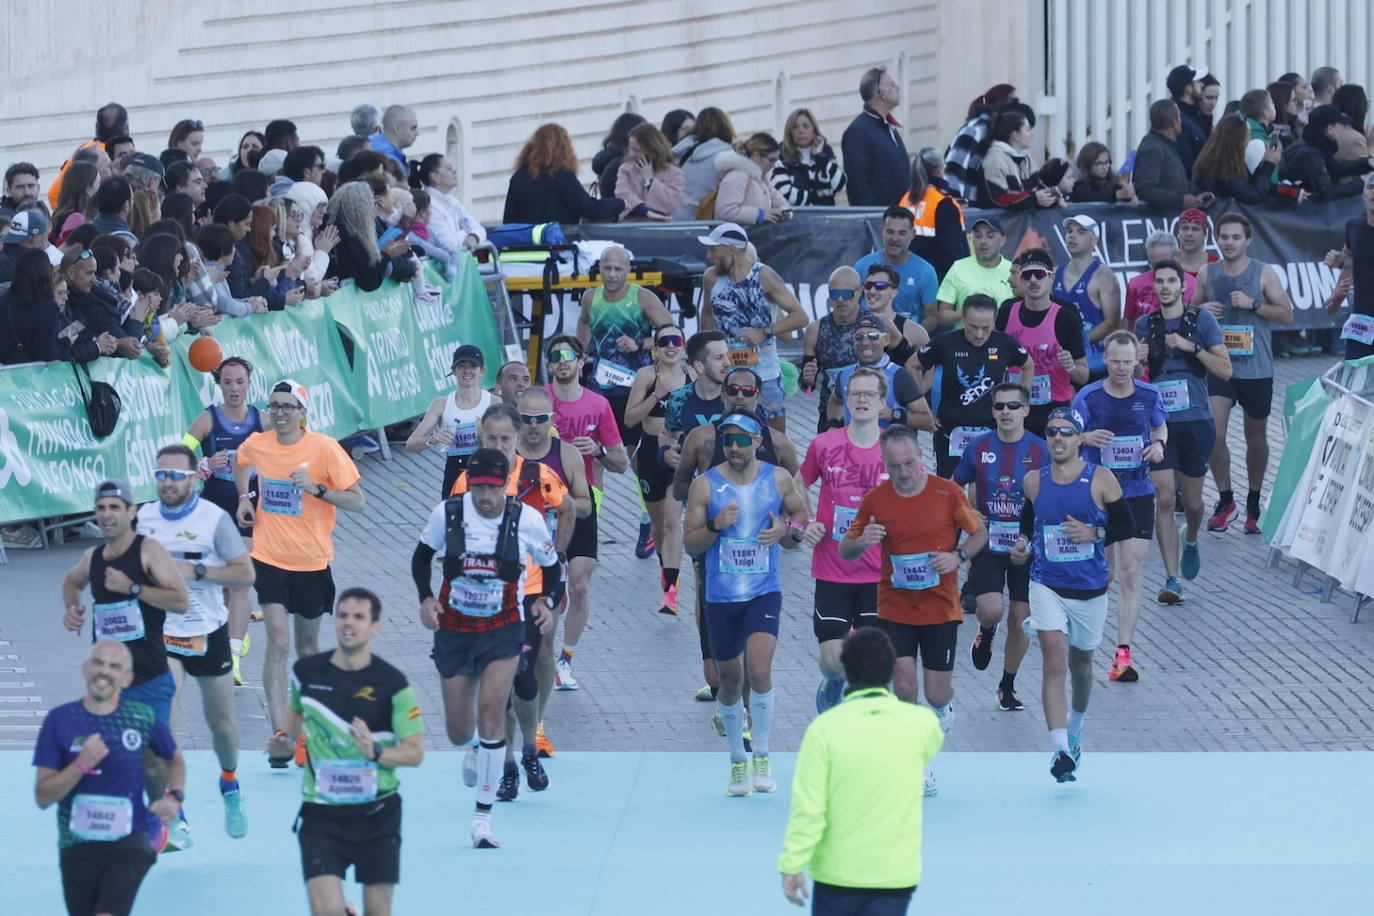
[(1187, 328), (508, 560)]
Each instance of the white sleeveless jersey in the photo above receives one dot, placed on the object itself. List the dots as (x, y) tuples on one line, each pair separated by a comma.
[(191, 540)]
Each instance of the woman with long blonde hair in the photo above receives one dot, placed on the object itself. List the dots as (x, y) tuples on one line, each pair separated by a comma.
[(357, 257)]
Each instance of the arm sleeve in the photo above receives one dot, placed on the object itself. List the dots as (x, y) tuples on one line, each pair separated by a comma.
[(443, 226), (964, 516), (806, 822), (1003, 316), (1120, 521), (577, 200), (857, 163), (45, 334), (929, 284), (999, 174), (949, 236), (405, 714), (434, 535), (1208, 330), (963, 471), (535, 534), (1084, 192), (420, 565)]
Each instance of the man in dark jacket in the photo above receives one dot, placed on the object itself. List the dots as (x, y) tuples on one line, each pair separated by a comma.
[(113, 200), (1185, 85), (875, 158), (1312, 160), (1160, 179), (26, 229)]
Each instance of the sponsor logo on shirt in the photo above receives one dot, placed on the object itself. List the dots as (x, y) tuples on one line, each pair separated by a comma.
[(365, 693), (132, 739)]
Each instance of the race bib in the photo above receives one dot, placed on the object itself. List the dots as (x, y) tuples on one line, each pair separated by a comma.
[(193, 646), (1359, 328), (464, 438), (226, 472), (961, 436), (280, 497), (476, 597), (1239, 339), (1040, 389), (101, 818), (119, 620), (743, 555), (844, 517), (913, 571), (1002, 535), (1123, 453), (1060, 549), (346, 782), (1174, 393), (743, 356), (612, 375)]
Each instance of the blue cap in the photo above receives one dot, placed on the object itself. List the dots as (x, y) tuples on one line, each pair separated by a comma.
[(1066, 413), (743, 421)]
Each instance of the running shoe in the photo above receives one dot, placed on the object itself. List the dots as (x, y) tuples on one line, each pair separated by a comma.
[(360, 445), (22, 537), (1008, 701), (238, 674), (510, 783), (1062, 766), (481, 834), (645, 545), (967, 599), (1190, 562), (179, 834), (1076, 749), (1122, 669), (763, 775), (563, 677), (1252, 524), (470, 767), (278, 763), (981, 653), (255, 615), (157, 834), (931, 790), (535, 777), (748, 732), (235, 815), (669, 603), (704, 695), (1222, 515), (718, 724), (1172, 592), (301, 753), (542, 747), (739, 784), (829, 694)]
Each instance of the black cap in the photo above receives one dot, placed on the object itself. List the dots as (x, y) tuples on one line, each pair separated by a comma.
[(469, 353), (149, 162), (991, 222), (869, 320), (1181, 76), (488, 466)]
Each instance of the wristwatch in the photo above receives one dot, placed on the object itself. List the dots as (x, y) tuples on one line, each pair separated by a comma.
[(899, 415), (179, 795), (601, 452), (963, 555), (711, 526), (1100, 533), (136, 589), (376, 752), (320, 490), (200, 571)]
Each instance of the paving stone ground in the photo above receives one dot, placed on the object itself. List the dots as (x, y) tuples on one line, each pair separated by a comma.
[(1247, 663)]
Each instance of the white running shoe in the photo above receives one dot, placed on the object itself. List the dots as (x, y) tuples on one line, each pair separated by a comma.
[(739, 779), (563, 677), (763, 775), (481, 834), (931, 789), (470, 767)]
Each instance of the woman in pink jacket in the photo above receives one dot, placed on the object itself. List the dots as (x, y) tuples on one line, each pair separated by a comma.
[(648, 180), (744, 194)]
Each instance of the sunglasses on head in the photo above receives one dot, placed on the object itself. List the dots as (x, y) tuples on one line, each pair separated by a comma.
[(196, 125), (869, 335), (842, 294), (163, 474), (739, 440), (534, 419), (563, 356), (1063, 432), (669, 340), (879, 285), (735, 391), (1007, 405), (1034, 273)]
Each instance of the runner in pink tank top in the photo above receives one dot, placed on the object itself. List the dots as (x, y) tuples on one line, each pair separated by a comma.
[(1055, 343)]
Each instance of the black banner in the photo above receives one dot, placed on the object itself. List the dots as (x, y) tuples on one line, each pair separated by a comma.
[(805, 249)]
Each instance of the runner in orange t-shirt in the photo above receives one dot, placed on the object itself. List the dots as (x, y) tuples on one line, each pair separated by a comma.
[(916, 517), (303, 477)]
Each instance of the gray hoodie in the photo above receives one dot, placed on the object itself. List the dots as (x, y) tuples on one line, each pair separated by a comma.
[(698, 173)]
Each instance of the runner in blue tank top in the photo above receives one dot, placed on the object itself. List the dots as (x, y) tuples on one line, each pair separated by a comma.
[(996, 463), (1072, 511), (1093, 292), (1126, 430), (738, 514)]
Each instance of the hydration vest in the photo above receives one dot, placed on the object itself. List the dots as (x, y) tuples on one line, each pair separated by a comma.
[(1187, 328), (508, 560)]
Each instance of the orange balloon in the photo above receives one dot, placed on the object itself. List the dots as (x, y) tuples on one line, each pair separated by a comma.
[(205, 354)]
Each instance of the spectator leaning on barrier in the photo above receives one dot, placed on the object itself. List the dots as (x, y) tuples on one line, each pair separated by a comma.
[(875, 159), (313, 239), (545, 189), (450, 225), (744, 193), (29, 316), (100, 308), (1185, 87), (357, 256), (217, 249), (648, 179), (1160, 177), (1095, 181), (696, 153), (1221, 168), (964, 158), (916, 295), (1258, 110), (937, 218), (1312, 162), (1009, 176), (807, 173)]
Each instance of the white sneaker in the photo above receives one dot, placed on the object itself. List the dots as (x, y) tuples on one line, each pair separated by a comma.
[(481, 834), (470, 767), (22, 537), (563, 677), (739, 779), (931, 790), (763, 775)]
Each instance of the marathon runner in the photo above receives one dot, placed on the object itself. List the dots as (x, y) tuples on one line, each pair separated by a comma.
[(206, 547), (828, 344), (585, 421), (917, 517), (985, 272), (1356, 263), (303, 477), (94, 758), (479, 616), (1180, 345), (995, 463), (1247, 300), (1126, 432), (1191, 230), (1093, 291), (511, 379), (360, 721), (451, 420), (848, 463), (880, 291), (904, 404), (218, 432), (737, 515), (962, 367), (134, 586), (1073, 510), (645, 408), (1053, 335), (1140, 290), (739, 295)]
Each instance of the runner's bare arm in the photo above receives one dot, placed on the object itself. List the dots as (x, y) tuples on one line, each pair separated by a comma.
[(418, 440), (237, 573), (166, 591), (795, 504), (653, 310), (584, 327), (577, 480), (349, 500), (696, 537), (641, 398), (688, 463), (616, 459), (72, 586), (1107, 295), (1274, 305), (706, 317), (793, 318), (200, 429)]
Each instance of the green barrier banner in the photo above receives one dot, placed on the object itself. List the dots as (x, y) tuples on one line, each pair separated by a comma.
[(50, 462)]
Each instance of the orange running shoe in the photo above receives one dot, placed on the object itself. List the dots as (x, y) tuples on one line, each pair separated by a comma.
[(300, 750), (542, 747)]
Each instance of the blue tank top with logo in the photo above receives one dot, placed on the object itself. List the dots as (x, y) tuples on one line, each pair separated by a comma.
[(738, 567), (1059, 562), (1088, 311)]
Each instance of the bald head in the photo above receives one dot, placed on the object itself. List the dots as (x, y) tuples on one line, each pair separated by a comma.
[(400, 125), (846, 276)]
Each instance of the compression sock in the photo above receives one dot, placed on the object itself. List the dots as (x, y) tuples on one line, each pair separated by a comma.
[(1076, 722), (491, 756), (1226, 497), (761, 708), (236, 647), (669, 577), (1060, 737), (1252, 506), (733, 719), (567, 655)]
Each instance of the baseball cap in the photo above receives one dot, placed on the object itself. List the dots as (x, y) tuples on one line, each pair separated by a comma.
[(295, 389), (731, 234), (1068, 415), (488, 467), (993, 224), (149, 162), (1086, 223), (1193, 215), (272, 161), (1036, 259), (24, 225), (1182, 75), (115, 487), (742, 421), (469, 353), (869, 320)]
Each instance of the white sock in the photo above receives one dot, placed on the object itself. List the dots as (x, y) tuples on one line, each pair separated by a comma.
[(490, 757), (235, 646), (1060, 737), (946, 716), (733, 717), (761, 707), (1076, 722)]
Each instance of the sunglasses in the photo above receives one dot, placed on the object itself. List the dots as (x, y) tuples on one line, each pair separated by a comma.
[(879, 285), (869, 335), (163, 474), (196, 125), (1007, 405), (563, 356), (1034, 274), (669, 340), (534, 419), (282, 408), (1063, 432), (739, 440), (842, 294), (735, 391)]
